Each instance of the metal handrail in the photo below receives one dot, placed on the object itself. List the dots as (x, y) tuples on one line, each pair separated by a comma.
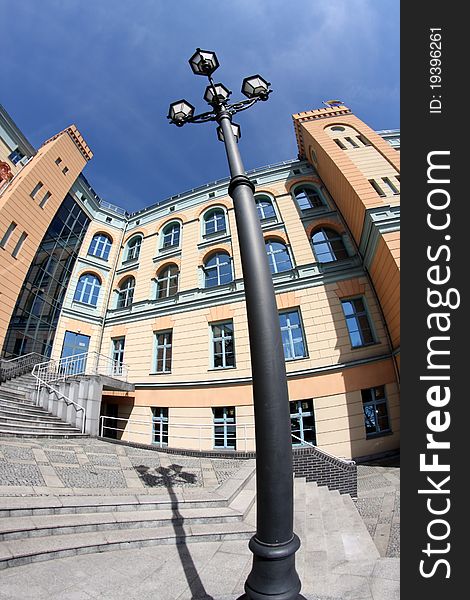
[(66, 399), (19, 365), (341, 458)]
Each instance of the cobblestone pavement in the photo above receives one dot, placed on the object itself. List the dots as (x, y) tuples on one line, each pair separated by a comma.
[(36, 467), (378, 504)]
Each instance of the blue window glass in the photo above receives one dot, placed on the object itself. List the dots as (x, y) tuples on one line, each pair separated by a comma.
[(360, 331), (160, 426), (218, 270), (133, 248), (278, 256), (223, 352), (100, 246), (171, 235), (265, 209), (328, 246), (302, 422), (88, 289), (292, 335), (214, 221), (308, 197)]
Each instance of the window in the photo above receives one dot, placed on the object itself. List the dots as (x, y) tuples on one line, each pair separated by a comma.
[(225, 430), (126, 292), (391, 185), (171, 235), (160, 426), (377, 188), (58, 160), (44, 200), (360, 331), (65, 170), (308, 197), (7, 234), (214, 221), (118, 355), (265, 208), (163, 341), (167, 282), (363, 139), (292, 335), (100, 246), (328, 245), (133, 248), (88, 289), (19, 244), (302, 422), (278, 256), (223, 351), (352, 142), (374, 404), (36, 189), (339, 143), (218, 270), (16, 156)]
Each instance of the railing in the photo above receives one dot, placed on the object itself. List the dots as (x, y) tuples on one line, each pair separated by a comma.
[(88, 363), (53, 372), (20, 365), (129, 429)]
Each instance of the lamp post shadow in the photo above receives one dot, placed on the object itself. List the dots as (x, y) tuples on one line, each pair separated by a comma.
[(167, 476)]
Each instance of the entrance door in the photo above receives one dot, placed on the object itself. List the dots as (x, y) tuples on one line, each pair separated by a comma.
[(74, 344)]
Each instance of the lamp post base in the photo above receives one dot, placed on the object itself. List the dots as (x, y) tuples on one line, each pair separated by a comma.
[(273, 575)]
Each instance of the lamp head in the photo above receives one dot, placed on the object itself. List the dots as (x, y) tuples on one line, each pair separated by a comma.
[(203, 62), (216, 93), (256, 87), (180, 112)]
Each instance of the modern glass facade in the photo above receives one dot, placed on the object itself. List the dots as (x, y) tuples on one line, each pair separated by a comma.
[(34, 320)]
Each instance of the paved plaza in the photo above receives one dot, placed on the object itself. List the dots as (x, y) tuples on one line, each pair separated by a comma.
[(195, 571)]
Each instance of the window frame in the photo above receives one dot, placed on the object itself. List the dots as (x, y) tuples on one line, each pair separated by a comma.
[(133, 248), (226, 423), (223, 339), (162, 420), (90, 294), (106, 244), (374, 403), (218, 268), (159, 279), (206, 219), (300, 414), (117, 354), (272, 253), (165, 346), (173, 230), (125, 292), (303, 188), (289, 329), (328, 242), (356, 315)]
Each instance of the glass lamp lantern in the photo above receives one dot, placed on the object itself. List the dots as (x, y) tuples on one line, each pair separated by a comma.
[(216, 93), (180, 112), (203, 62), (256, 87)]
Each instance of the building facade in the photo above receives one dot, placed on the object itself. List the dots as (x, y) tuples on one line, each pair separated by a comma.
[(160, 291)]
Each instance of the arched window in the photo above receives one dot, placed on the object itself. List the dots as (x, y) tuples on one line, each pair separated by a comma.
[(218, 270), (214, 221), (100, 246), (126, 292), (171, 235), (265, 208), (308, 197), (278, 256), (328, 245), (133, 247), (167, 282), (88, 289)]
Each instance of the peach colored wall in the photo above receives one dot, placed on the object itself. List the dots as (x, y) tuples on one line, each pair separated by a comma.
[(16, 205)]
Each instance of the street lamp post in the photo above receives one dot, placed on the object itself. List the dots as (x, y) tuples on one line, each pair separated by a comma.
[(273, 574)]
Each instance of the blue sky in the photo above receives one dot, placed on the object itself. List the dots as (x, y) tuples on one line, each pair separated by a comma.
[(113, 67)]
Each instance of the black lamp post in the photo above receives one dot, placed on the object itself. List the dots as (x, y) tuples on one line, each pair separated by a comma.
[(273, 575)]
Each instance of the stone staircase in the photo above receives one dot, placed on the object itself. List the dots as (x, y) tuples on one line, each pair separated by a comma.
[(19, 415), (43, 528), (46, 527)]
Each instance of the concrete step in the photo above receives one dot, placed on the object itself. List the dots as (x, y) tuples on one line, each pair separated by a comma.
[(11, 432), (39, 426), (14, 395), (47, 525), (16, 387), (13, 412), (19, 552), (33, 421), (26, 408)]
